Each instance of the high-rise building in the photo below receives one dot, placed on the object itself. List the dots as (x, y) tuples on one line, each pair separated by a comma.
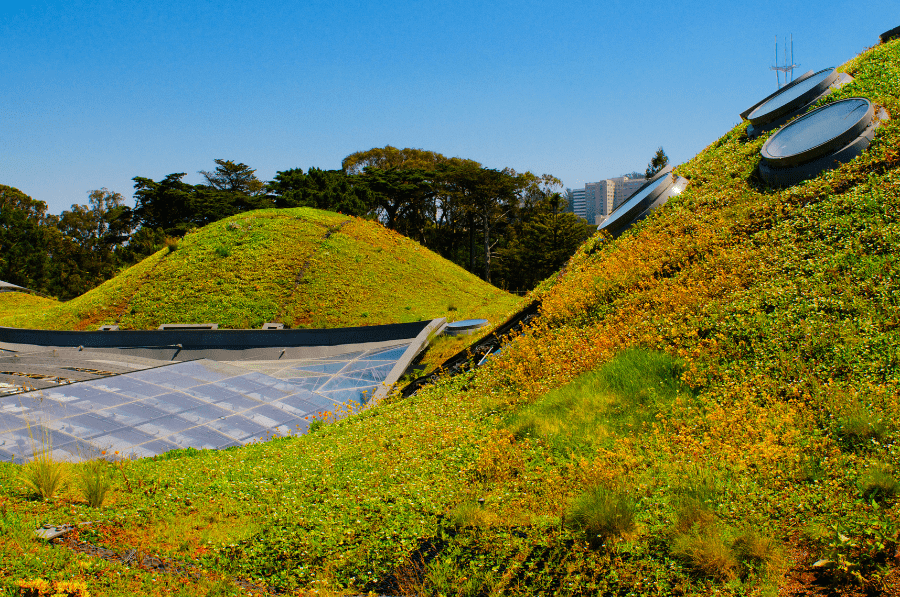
[(602, 197), (576, 202)]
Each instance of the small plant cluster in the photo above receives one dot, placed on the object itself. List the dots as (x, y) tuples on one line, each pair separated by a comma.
[(46, 477)]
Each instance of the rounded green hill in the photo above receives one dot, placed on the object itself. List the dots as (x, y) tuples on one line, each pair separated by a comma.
[(302, 267)]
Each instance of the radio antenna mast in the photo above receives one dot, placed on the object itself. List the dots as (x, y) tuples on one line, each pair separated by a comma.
[(788, 66)]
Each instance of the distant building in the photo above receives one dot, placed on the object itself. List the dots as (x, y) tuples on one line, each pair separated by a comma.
[(601, 198), (576, 202)]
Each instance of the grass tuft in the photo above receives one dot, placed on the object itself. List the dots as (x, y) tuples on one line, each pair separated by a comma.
[(706, 553), (43, 475), (94, 481), (877, 483), (603, 514)]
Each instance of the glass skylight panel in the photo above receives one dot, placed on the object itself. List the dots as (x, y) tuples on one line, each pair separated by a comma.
[(357, 395), (329, 368), (165, 426), (237, 427), (212, 393), (201, 404), (10, 422), (239, 403), (204, 413), (269, 416), (202, 438), (173, 402), (86, 426), (133, 413), (342, 383), (121, 438), (162, 377), (392, 354)]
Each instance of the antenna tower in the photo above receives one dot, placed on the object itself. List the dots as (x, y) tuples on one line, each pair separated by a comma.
[(788, 66)]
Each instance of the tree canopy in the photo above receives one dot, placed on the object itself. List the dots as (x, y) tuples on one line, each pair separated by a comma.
[(657, 163), (498, 223)]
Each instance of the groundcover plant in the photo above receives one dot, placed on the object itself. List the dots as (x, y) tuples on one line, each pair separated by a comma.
[(706, 405)]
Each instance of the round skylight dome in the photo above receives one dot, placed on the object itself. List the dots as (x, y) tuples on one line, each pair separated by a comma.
[(819, 141)]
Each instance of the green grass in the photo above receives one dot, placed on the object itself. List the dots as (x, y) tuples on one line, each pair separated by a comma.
[(16, 303), (763, 440), (302, 267), (620, 398)]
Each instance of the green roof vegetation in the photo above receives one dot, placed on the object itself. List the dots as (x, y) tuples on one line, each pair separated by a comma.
[(300, 266), (706, 406)]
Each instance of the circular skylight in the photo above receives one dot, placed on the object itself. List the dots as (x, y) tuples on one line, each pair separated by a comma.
[(794, 97), (819, 132), (643, 201), (467, 326)]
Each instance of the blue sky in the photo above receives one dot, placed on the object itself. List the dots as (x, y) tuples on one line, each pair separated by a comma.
[(95, 93)]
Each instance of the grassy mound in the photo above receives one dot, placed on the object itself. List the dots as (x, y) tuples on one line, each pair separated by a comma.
[(303, 267), (13, 304), (706, 406)]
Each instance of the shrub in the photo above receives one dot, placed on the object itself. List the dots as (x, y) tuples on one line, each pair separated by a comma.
[(602, 514), (94, 481)]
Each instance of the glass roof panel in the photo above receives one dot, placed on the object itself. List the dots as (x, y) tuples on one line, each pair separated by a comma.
[(126, 386), (133, 413), (202, 404), (86, 426), (9, 422), (212, 393), (162, 376), (121, 439), (359, 395), (202, 438), (204, 413), (325, 367), (391, 354), (174, 403), (237, 427), (165, 426), (238, 403), (342, 383)]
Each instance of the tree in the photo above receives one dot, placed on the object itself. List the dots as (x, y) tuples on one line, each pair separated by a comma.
[(657, 163), (544, 240), (26, 232), (395, 158), (234, 177), (85, 253), (488, 197), (175, 206), (327, 190), (166, 204), (402, 198)]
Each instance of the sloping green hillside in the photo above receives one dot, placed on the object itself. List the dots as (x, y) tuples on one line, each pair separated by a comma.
[(303, 267), (706, 406)]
